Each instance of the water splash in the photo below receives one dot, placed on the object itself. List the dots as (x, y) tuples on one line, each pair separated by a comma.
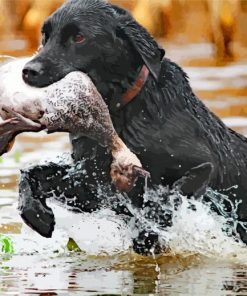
[(195, 229)]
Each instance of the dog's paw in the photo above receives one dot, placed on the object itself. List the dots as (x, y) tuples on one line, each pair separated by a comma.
[(40, 219), (147, 243), (34, 211)]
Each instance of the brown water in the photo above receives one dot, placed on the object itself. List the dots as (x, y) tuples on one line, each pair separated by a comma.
[(45, 272)]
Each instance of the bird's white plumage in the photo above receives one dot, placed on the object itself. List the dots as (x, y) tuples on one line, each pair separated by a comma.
[(14, 92)]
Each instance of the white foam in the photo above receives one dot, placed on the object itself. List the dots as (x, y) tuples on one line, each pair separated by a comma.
[(101, 232)]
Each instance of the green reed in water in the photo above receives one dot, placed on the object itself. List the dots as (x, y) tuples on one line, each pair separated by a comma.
[(6, 244)]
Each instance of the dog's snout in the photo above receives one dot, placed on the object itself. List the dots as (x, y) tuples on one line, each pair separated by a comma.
[(33, 74), (27, 73), (31, 71)]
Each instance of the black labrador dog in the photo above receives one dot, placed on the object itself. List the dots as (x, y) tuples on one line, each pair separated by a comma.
[(153, 108)]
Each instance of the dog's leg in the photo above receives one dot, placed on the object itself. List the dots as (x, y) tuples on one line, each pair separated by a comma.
[(156, 213), (147, 243), (52, 180), (193, 183)]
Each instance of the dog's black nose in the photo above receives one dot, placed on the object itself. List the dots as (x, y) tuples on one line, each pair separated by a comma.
[(33, 74)]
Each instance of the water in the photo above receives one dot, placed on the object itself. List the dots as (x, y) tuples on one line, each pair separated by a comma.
[(202, 259)]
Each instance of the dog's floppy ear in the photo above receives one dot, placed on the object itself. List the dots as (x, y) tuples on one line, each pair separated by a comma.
[(150, 52)]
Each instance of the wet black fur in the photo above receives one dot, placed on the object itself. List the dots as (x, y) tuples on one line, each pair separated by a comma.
[(166, 125)]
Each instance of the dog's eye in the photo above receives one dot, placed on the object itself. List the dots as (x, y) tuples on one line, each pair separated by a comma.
[(45, 38), (78, 38)]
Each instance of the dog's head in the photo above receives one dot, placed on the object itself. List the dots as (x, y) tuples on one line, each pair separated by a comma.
[(94, 37)]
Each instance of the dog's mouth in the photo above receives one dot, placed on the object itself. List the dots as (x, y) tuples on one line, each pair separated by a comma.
[(36, 75)]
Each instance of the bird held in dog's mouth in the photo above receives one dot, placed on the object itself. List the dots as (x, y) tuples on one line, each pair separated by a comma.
[(72, 105)]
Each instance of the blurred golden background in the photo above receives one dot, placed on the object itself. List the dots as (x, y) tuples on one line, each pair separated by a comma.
[(220, 22), (209, 39)]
